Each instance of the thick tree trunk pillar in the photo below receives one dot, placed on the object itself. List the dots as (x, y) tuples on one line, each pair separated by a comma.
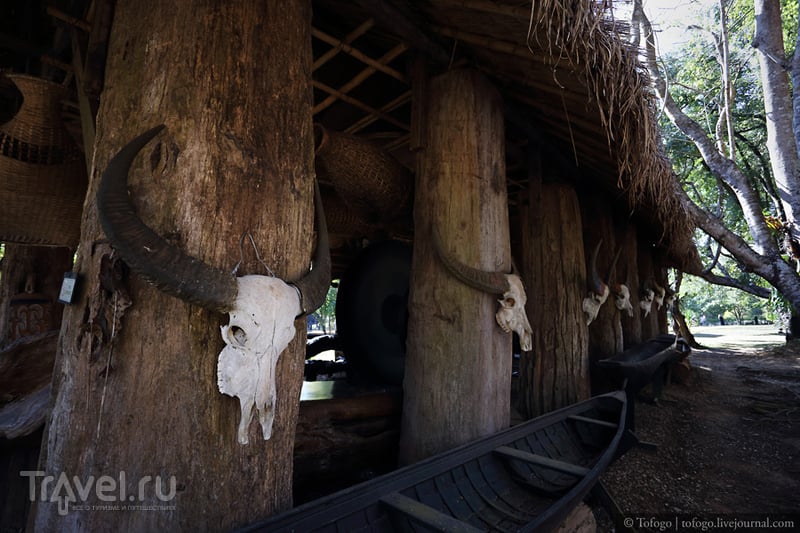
[(556, 372), (647, 272), (458, 367), (231, 81), (628, 272), (605, 331)]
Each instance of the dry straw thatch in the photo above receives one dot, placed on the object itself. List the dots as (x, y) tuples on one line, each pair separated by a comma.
[(585, 34)]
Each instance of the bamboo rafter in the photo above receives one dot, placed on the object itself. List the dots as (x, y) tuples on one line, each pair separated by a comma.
[(357, 80), (346, 48), (362, 28), (361, 105), (387, 108)]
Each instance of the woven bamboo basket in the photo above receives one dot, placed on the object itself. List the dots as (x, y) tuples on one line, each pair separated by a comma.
[(371, 182), (42, 171)]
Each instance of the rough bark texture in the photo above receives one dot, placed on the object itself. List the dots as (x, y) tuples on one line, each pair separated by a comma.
[(628, 270), (647, 271), (781, 141), (605, 331), (45, 267), (232, 83), (458, 368), (556, 372)]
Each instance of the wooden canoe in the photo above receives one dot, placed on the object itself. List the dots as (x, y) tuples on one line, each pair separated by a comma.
[(639, 364), (526, 478)]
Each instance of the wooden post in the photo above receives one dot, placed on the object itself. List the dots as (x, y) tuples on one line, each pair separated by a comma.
[(458, 368), (136, 378), (647, 271), (627, 269), (556, 372), (605, 331)]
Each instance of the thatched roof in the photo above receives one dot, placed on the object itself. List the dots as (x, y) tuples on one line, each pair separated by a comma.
[(564, 68), (569, 79)]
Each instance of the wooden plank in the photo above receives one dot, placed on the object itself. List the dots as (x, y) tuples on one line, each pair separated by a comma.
[(593, 421), (425, 514), (541, 460)]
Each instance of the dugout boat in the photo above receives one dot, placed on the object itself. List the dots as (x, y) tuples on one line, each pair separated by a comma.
[(526, 478)]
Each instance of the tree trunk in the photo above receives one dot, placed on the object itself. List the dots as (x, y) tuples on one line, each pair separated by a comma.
[(556, 372), (605, 331), (781, 139), (647, 272), (30, 282), (628, 272), (136, 378), (458, 368), (762, 255)]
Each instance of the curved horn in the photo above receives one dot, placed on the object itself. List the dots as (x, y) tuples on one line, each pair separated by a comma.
[(491, 282), (314, 286), (612, 268), (150, 256), (595, 283)]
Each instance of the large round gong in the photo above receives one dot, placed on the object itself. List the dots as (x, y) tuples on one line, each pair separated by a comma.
[(372, 309)]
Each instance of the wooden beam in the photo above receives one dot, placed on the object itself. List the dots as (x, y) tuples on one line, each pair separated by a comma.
[(363, 28), (399, 22), (541, 460), (426, 514), (347, 49), (69, 19), (505, 47), (361, 76), (519, 13), (87, 116), (369, 119), (361, 105)]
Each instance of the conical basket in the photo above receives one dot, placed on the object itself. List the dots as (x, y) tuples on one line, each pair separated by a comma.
[(42, 171), (372, 183)]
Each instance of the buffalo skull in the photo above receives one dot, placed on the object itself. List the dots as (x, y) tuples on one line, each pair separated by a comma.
[(511, 315), (598, 291), (646, 297), (622, 295), (262, 309)]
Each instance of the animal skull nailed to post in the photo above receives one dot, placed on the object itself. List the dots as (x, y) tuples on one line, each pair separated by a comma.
[(646, 297), (622, 295), (262, 309), (511, 315), (598, 291)]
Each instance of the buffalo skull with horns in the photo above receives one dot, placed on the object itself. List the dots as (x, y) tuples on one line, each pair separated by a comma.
[(622, 295), (262, 309), (511, 315), (646, 296), (598, 291)]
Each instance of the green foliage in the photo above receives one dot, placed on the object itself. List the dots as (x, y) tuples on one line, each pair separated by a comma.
[(326, 314), (694, 75), (699, 298)]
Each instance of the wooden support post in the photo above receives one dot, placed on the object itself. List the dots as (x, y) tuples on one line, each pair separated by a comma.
[(628, 270), (556, 372), (135, 387), (605, 331), (458, 368)]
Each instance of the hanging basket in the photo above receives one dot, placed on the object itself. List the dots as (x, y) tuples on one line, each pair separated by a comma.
[(376, 186), (42, 171)]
